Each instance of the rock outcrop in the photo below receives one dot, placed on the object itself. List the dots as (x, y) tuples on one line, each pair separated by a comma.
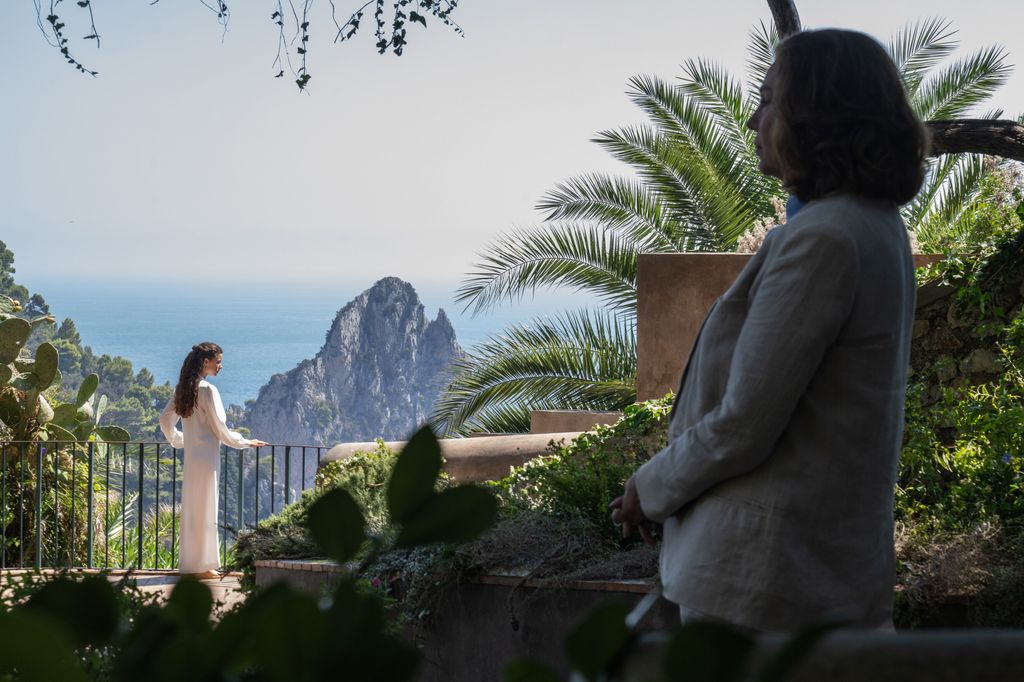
[(378, 374)]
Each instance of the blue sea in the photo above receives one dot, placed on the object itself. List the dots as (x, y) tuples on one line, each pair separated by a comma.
[(264, 328)]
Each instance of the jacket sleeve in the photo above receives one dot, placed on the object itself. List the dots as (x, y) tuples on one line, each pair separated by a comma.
[(169, 426), (213, 411), (806, 292)]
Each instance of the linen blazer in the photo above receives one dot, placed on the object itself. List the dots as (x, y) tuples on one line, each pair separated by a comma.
[(776, 487)]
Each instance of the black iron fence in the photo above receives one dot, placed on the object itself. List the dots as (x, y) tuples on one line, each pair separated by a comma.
[(116, 505)]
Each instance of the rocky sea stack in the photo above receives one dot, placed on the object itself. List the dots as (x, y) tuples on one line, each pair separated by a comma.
[(378, 374)]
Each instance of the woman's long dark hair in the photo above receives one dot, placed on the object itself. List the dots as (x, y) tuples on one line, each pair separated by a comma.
[(843, 120), (187, 390)]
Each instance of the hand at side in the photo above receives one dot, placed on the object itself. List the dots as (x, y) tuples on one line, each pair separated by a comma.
[(626, 511)]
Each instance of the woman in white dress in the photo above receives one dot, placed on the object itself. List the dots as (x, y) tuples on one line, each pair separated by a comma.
[(196, 402)]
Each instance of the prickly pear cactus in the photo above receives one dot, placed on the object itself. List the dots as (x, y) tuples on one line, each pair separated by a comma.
[(8, 306), (45, 413), (25, 409), (46, 365), (87, 389), (23, 379), (14, 332), (16, 368)]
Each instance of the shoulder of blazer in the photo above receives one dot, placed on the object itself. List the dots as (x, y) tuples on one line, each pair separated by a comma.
[(827, 220), (841, 212)]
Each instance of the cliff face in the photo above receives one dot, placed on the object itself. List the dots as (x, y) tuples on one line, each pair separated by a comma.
[(380, 370)]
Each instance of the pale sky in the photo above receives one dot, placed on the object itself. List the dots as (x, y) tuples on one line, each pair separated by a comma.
[(186, 159)]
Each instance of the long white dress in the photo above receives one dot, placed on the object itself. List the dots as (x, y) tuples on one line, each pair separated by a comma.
[(204, 431)]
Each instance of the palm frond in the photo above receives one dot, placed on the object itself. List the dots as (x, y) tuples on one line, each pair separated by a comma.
[(918, 48), (941, 173), (494, 418), (121, 516), (658, 165), (950, 184), (710, 85), (760, 56), (938, 170), (714, 168), (955, 188), (622, 205), (686, 121), (961, 189), (578, 360), (952, 91), (556, 254)]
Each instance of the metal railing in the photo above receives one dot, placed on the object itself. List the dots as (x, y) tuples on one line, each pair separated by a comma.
[(116, 505)]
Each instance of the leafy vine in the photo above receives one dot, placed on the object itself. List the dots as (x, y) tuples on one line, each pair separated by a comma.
[(53, 26)]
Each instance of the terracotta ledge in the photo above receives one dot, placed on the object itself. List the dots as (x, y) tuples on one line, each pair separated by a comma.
[(633, 586), (505, 579), (308, 565)]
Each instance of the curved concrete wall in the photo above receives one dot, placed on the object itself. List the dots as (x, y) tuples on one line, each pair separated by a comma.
[(485, 458)]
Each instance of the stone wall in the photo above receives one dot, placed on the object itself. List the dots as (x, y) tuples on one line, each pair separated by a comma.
[(956, 330)]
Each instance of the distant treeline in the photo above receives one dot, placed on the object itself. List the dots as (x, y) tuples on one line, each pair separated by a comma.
[(134, 398)]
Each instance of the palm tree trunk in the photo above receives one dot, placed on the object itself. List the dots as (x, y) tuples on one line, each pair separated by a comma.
[(959, 136), (787, 19)]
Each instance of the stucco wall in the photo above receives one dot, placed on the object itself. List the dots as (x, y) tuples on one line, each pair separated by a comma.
[(674, 293)]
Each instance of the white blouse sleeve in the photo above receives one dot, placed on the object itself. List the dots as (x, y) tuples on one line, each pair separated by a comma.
[(168, 424), (213, 412)]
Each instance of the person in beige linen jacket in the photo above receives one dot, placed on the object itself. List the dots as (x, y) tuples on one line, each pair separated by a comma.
[(775, 492)]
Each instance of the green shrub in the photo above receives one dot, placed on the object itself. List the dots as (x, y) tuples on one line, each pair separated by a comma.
[(365, 476), (281, 536), (284, 535), (129, 601), (997, 212), (963, 458), (579, 480), (963, 463)]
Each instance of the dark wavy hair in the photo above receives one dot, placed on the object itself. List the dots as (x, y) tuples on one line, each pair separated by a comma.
[(187, 390), (843, 120)]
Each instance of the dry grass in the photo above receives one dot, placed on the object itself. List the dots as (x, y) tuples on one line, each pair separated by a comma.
[(972, 579)]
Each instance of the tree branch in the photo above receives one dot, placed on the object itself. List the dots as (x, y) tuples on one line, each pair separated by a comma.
[(977, 136), (787, 19)]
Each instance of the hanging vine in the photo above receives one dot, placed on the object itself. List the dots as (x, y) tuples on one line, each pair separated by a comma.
[(52, 27), (1001, 137), (293, 23)]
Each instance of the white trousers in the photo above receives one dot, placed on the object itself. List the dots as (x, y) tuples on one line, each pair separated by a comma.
[(198, 543)]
